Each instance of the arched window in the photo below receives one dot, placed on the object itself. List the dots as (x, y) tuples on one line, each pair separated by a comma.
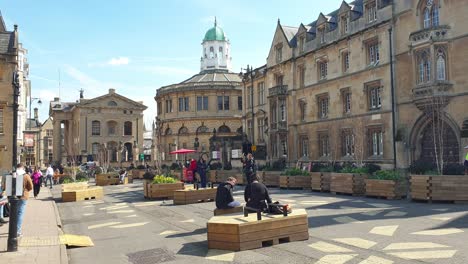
[(202, 129), (183, 131), (168, 131), (112, 103), (112, 150), (427, 18), (221, 52), (211, 52), (424, 67), (111, 128), (128, 128), (224, 129), (127, 153), (441, 63), (96, 128), (95, 149), (435, 16)]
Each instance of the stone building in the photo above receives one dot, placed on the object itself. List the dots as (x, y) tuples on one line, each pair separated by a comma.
[(12, 61), (329, 84), (188, 113), (31, 150), (108, 127)]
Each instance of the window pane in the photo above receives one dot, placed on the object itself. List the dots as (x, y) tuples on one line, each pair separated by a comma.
[(226, 102), (220, 103)]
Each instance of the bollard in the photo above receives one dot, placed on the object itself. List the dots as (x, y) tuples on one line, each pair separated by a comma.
[(259, 215), (246, 213), (285, 210)]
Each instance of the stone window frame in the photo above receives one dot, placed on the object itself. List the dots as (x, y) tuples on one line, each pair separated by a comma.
[(345, 61), (323, 139), (95, 128), (322, 69), (375, 134), (423, 66), (279, 52), (346, 98), (430, 15), (261, 130), (344, 24), (302, 42), (301, 71), (202, 103), (112, 129), (223, 105), (373, 56), (323, 104), (169, 107), (304, 146), (348, 142), (441, 55), (128, 128), (184, 105), (373, 90), (370, 11), (261, 93), (239, 103), (302, 109)]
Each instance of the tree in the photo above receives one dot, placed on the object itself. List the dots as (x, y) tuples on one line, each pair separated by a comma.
[(104, 157)]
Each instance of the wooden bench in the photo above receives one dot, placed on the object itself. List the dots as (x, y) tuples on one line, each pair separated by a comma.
[(232, 210), (162, 190), (109, 179), (237, 232), (190, 196), (69, 195)]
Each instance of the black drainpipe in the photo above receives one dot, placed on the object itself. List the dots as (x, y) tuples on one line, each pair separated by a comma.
[(392, 88)]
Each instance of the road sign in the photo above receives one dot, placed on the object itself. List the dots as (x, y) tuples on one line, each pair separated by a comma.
[(142, 156), (254, 148)]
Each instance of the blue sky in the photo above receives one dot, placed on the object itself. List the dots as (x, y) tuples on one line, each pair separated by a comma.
[(137, 46)]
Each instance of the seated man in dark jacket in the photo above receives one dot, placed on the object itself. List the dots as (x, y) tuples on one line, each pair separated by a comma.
[(256, 195), (224, 199)]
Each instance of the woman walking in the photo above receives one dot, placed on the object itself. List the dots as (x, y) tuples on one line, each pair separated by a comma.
[(37, 180)]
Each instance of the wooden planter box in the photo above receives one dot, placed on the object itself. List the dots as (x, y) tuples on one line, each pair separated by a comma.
[(109, 179), (326, 181), (295, 181), (236, 232), (316, 181), (219, 176), (163, 190), (194, 196), (138, 174), (439, 187), (349, 183), (271, 178), (75, 193), (385, 188)]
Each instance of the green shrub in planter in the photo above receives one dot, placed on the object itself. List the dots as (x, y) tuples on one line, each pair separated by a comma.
[(66, 179), (148, 175), (387, 175), (81, 177), (421, 167), (454, 169), (354, 170), (295, 172), (175, 166), (279, 165), (431, 172), (161, 179), (327, 169), (98, 170), (371, 168)]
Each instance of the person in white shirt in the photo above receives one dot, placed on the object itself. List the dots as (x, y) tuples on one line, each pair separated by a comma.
[(49, 175)]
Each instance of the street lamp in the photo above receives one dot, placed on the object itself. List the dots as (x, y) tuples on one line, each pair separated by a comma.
[(245, 77)]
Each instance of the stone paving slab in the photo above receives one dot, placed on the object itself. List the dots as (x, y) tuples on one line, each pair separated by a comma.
[(40, 243)]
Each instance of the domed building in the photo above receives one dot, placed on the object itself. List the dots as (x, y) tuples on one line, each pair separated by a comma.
[(206, 106)]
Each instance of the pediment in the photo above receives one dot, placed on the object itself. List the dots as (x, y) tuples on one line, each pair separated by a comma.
[(321, 20), (302, 30), (113, 100), (344, 8)]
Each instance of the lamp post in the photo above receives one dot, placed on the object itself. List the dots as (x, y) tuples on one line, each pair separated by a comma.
[(12, 244), (32, 99), (245, 77)]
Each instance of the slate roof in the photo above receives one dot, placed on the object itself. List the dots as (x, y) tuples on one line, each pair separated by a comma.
[(6, 42), (213, 76), (32, 124)]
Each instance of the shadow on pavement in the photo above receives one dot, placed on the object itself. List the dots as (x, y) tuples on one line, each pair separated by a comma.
[(198, 249), (192, 233)]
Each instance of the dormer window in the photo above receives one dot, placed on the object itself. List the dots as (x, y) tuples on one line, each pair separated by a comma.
[(321, 32), (430, 14), (301, 44), (279, 53), (344, 24), (371, 11)]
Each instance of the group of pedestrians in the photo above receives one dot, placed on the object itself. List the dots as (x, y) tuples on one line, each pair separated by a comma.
[(199, 167), (256, 193)]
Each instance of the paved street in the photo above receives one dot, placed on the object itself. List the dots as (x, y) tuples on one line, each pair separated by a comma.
[(126, 228)]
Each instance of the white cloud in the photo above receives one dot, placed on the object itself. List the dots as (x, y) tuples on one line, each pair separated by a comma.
[(118, 61)]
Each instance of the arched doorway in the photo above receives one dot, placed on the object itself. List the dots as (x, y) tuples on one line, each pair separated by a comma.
[(439, 140), (112, 150), (128, 151)]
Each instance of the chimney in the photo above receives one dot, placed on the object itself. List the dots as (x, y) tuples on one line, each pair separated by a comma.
[(56, 99), (15, 27), (111, 90), (36, 114)]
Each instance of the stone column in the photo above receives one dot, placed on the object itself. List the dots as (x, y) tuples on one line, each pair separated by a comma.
[(57, 139)]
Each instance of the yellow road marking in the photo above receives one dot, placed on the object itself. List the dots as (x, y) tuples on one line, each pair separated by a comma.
[(130, 225), (384, 230), (335, 259), (357, 242), (414, 245), (376, 260), (434, 254), (103, 225), (439, 232), (220, 255), (329, 248)]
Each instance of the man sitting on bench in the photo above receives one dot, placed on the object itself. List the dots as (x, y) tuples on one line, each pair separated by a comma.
[(256, 196), (224, 199)]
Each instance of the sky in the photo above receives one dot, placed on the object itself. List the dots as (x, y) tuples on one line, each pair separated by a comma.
[(138, 46)]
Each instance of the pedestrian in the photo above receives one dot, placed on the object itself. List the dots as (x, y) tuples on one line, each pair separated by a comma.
[(36, 179), (56, 177), (49, 175), (224, 198), (201, 168), (250, 168), (27, 187), (466, 161), (193, 168), (3, 200), (256, 195), (122, 175)]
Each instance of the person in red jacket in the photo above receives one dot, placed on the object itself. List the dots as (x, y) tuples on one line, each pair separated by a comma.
[(193, 167)]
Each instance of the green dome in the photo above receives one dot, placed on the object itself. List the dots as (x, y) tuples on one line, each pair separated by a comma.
[(215, 33)]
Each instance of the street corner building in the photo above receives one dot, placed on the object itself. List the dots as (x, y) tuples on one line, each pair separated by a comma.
[(108, 128), (206, 106), (14, 67), (325, 93)]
